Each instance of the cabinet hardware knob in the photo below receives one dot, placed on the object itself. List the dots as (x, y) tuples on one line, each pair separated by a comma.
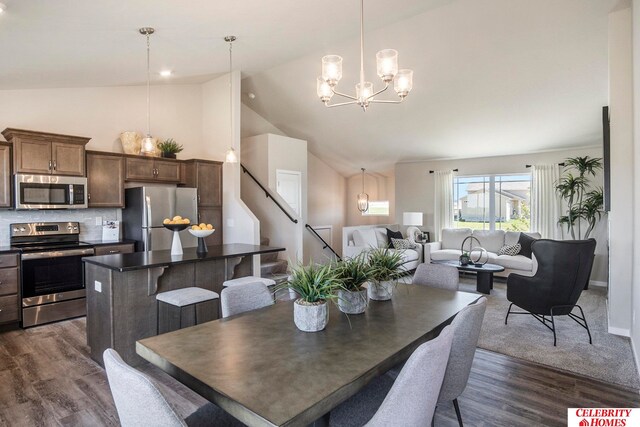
[(88, 196), (55, 164), (114, 252), (50, 165)]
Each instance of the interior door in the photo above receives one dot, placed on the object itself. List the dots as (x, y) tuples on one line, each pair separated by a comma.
[(289, 187)]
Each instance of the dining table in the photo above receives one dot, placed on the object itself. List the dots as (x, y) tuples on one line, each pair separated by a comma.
[(261, 369)]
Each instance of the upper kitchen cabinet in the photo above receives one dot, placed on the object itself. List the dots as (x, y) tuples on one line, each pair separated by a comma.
[(5, 175), (47, 153), (149, 169), (206, 176), (105, 180)]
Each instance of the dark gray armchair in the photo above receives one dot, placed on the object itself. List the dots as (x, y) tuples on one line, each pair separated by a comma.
[(564, 269)]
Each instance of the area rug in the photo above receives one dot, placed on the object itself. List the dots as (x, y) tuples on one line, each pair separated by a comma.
[(609, 358)]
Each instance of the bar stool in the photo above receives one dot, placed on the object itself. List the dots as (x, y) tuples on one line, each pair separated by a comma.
[(249, 279), (184, 297)]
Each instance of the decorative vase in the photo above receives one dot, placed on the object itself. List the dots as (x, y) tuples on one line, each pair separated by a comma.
[(380, 291), (168, 155), (131, 142), (351, 302), (310, 317)]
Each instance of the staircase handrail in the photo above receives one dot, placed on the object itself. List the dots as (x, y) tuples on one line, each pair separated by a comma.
[(268, 194), (326, 245)]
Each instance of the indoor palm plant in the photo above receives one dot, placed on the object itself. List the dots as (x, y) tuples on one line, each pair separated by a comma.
[(584, 204), (387, 266), (315, 285), (352, 273), (169, 148)]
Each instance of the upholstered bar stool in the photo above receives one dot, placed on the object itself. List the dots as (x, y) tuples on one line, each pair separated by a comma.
[(269, 283), (181, 298)]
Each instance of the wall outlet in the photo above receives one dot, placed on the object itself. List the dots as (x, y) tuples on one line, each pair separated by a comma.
[(98, 220), (98, 286)]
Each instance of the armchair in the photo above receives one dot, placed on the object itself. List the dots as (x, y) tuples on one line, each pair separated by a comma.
[(564, 269)]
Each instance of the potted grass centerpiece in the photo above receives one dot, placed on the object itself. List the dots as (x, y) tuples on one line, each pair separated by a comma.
[(316, 285), (169, 148), (352, 274), (386, 268)]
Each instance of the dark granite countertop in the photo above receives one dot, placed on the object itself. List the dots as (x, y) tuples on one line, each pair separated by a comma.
[(142, 260)]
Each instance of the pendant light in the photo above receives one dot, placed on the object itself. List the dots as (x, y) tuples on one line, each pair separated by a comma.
[(148, 146), (231, 156), (363, 198)]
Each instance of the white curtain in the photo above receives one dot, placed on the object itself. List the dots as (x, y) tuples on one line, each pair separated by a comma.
[(545, 203), (443, 202)]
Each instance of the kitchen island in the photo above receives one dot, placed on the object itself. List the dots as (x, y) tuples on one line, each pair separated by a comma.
[(121, 292)]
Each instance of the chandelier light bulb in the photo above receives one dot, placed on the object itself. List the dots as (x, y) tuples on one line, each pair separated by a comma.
[(387, 64), (332, 69), (324, 90), (403, 82), (364, 91)]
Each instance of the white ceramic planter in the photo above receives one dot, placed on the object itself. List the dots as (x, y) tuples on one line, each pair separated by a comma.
[(380, 291), (310, 317), (352, 302)]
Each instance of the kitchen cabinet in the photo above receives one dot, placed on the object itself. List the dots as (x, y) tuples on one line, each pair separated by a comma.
[(118, 248), (5, 175), (212, 216), (47, 153), (206, 176), (9, 288), (105, 180), (146, 169)]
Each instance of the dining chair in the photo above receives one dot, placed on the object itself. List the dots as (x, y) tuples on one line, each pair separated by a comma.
[(246, 297), (412, 399), (466, 331), (139, 402), (437, 276)]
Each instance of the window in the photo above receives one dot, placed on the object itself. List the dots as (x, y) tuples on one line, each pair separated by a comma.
[(377, 208), (492, 202)]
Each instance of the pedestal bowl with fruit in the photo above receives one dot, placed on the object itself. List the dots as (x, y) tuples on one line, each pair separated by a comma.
[(201, 231), (176, 224)]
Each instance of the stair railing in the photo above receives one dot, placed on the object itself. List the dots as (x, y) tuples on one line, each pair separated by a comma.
[(268, 194), (324, 242)]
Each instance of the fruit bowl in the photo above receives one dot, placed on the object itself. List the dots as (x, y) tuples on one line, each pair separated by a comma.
[(177, 227), (201, 233)]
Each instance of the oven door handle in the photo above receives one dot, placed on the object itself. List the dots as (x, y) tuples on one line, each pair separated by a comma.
[(56, 254)]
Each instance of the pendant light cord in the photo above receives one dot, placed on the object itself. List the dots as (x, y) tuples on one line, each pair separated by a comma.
[(361, 45), (231, 93), (148, 88)]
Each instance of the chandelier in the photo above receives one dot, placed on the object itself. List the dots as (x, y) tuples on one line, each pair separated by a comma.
[(387, 67), (363, 198)]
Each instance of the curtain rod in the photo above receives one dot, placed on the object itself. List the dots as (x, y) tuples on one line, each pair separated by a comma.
[(559, 164), (455, 170)]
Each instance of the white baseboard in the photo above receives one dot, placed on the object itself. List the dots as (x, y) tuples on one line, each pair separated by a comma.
[(619, 331), (598, 283)]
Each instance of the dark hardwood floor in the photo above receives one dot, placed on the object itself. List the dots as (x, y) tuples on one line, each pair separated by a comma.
[(48, 379)]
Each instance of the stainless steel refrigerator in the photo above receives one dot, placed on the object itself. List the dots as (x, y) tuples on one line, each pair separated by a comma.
[(146, 208)]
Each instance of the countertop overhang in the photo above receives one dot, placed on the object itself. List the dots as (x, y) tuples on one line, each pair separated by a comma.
[(144, 260)]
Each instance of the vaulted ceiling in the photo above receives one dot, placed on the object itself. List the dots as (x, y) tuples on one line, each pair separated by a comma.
[(492, 77)]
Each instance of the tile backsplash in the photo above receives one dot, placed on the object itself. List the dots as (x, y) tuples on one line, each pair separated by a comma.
[(86, 217)]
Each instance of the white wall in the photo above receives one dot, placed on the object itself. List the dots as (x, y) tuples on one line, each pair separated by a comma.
[(240, 225), (415, 189), (621, 216), (635, 325)]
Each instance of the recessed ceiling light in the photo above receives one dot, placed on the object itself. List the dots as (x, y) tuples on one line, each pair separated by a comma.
[(2, 7), (166, 73)]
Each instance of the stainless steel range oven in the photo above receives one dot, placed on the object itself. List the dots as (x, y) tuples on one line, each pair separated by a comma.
[(52, 271)]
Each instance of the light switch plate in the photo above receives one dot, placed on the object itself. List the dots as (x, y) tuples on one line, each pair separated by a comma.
[(98, 220), (98, 286)]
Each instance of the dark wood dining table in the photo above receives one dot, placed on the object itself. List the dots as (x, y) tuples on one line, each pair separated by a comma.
[(261, 369)]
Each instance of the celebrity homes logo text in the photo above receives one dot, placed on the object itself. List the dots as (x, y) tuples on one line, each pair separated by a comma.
[(603, 417)]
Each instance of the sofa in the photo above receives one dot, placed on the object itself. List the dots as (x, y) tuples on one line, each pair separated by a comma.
[(362, 238), (449, 249)]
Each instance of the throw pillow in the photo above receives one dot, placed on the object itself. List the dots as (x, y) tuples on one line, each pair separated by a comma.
[(402, 244), (525, 242), (510, 250), (393, 235)]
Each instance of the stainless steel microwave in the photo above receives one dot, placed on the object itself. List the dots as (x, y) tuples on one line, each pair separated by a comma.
[(50, 192)]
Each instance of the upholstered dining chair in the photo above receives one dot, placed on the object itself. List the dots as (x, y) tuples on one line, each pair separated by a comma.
[(564, 270), (139, 402), (412, 399), (437, 276), (246, 297), (466, 331)]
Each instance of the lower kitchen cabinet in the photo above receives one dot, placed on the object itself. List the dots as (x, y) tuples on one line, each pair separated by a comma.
[(119, 248), (9, 288)]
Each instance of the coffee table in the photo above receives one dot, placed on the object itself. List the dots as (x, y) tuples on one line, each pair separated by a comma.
[(484, 273)]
